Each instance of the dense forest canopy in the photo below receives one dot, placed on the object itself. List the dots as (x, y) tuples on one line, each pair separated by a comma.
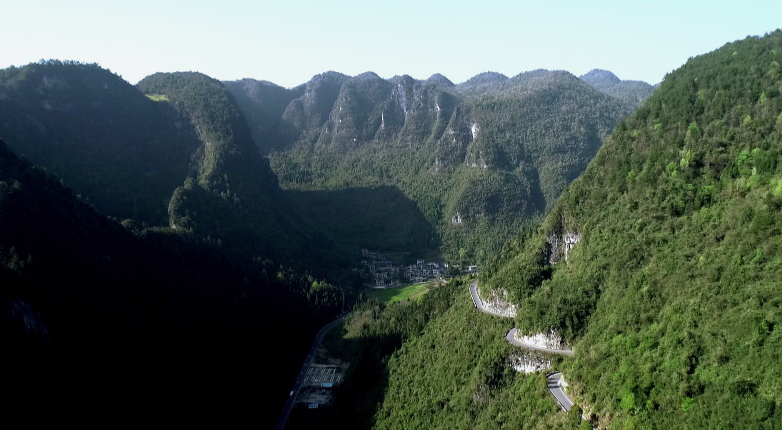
[(671, 295), (121, 151), (632, 93)]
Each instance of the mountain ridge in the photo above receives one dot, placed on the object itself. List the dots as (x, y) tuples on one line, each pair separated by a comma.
[(633, 93), (429, 135)]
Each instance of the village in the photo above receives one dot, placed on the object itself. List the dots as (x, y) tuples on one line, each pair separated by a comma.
[(385, 271)]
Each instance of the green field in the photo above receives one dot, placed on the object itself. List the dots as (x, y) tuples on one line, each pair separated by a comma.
[(157, 97), (409, 292)]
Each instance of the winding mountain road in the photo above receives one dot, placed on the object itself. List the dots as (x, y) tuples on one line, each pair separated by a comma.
[(302, 375), (554, 379), (555, 387), (511, 336)]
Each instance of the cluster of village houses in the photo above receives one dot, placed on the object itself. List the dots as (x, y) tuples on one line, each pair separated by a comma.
[(384, 274)]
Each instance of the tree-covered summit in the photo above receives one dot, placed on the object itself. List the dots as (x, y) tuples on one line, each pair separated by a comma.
[(633, 93)]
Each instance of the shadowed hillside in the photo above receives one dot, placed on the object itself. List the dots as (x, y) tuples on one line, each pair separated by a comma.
[(147, 324)]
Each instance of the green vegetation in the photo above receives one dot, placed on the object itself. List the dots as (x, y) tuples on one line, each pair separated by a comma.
[(368, 337), (411, 370), (412, 292), (632, 93), (120, 151), (189, 163), (671, 298), (230, 194), (355, 218), (669, 295), (461, 379), (157, 97), (479, 160)]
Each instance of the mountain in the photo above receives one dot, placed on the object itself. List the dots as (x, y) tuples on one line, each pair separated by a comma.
[(176, 151), (478, 83), (440, 80), (231, 192), (121, 151), (480, 159), (264, 103), (632, 93), (173, 151), (661, 264), (147, 323)]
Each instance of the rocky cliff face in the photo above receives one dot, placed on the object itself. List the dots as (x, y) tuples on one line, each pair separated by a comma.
[(558, 246), (399, 111), (548, 340), (497, 302), (310, 110), (529, 361)]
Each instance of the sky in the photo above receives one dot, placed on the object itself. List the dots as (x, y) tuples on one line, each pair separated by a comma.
[(289, 41)]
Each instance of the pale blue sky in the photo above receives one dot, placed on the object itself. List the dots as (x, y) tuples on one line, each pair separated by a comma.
[(287, 42)]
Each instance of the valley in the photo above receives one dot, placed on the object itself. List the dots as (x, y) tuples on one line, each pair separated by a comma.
[(255, 255)]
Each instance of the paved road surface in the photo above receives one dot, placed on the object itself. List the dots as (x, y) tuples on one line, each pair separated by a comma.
[(303, 374), (553, 380), (511, 337), (562, 398), (478, 303)]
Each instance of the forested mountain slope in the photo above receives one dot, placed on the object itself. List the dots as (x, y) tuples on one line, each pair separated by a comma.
[(479, 159), (671, 294), (435, 363), (107, 324), (632, 93), (123, 152), (264, 103), (231, 192), (174, 151)]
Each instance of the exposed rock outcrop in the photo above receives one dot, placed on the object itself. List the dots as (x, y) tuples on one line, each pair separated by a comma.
[(558, 246), (550, 340), (498, 303), (529, 362)]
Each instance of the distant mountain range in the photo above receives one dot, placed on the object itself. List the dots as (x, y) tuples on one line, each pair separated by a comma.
[(479, 158), (633, 93)]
